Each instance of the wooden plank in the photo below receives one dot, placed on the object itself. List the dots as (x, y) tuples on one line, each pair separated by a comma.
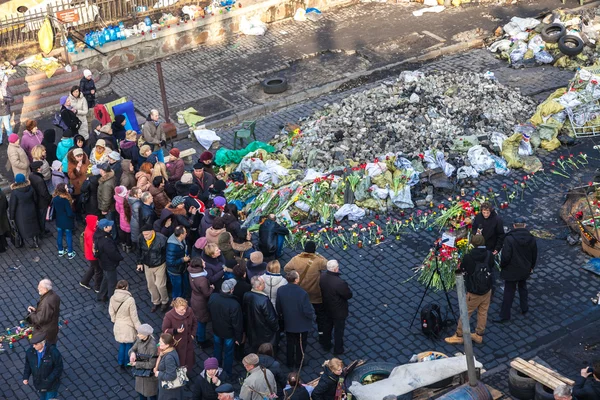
[(496, 394), (553, 373), (536, 374)]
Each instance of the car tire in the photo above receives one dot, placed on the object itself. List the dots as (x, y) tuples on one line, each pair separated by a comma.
[(543, 393), (553, 32), (359, 373), (520, 386), (570, 45), (275, 85)]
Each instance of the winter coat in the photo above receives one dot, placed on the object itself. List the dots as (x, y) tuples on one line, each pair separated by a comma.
[(176, 250), (119, 206), (272, 283), (45, 317), (99, 158), (325, 389), (41, 190), (242, 286), (116, 168), (106, 190), (185, 347), (492, 230), (294, 306), (204, 184), (45, 170), (24, 210), (152, 256), (260, 319), (77, 177), (214, 269), (46, 376), (310, 282), (232, 224), (63, 213), (63, 148), (175, 169), (71, 120), (110, 140), (59, 177), (123, 313), (89, 195), (5, 102), (519, 255), (161, 200), (127, 177), (147, 351), (268, 233), (204, 389), (275, 367), (91, 222), (469, 262), (226, 314), (212, 235), (4, 224), (152, 133), (134, 222), (30, 140), (243, 250), (49, 143), (107, 251), (182, 189), (80, 104), (336, 294), (85, 87), (206, 223), (147, 215), (301, 393), (143, 181), (255, 269), (130, 151), (255, 385), (167, 371), (18, 159), (586, 388), (201, 292), (225, 241)]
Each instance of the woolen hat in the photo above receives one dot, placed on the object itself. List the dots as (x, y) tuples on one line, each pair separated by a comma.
[(219, 201), (101, 143), (57, 165), (224, 388), (201, 243), (186, 178), (310, 247), (251, 359), (211, 363), (104, 223), (63, 100), (219, 185), (114, 155), (105, 129), (35, 165), (194, 189), (37, 337), (198, 165), (205, 156), (256, 257), (77, 152), (145, 329), (177, 200), (215, 212), (13, 137), (19, 178), (228, 285), (121, 191), (87, 73), (174, 152)]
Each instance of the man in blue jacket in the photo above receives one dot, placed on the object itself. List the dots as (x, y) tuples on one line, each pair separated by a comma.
[(177, 259), (293, 305), (44, 363)]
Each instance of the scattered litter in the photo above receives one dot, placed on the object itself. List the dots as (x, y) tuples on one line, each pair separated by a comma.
[(253, 26), (436, 9)]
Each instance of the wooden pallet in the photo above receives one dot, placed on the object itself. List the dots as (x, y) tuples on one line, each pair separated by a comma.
[(544, 375)]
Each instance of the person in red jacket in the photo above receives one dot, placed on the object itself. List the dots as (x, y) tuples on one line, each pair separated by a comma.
[(91, 222)]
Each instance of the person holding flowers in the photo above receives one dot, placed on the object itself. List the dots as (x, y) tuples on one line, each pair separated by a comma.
[(489, 224)]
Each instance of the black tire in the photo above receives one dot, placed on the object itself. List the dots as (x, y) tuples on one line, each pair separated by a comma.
[(520, 386), (275, 85), (570, 45), (358, 374), (553, 32), (543, 393)]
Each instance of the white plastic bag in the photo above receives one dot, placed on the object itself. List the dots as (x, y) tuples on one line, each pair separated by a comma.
[(500, 45), (375, 169), (466, 172), (402, 199), (525, 23), (536, 44), (352, 211), (480, 159), (525, 148), (500, 165), (252, 27), (302, 206), (438, 161), (497, 139), (206, 137), (273, 172), (300, 15), (403, 163), (250, 164), (543, 57), (411, 76), (311, 175), (379, 193)]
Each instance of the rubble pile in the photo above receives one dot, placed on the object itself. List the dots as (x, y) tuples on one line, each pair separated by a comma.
[(407, 116)]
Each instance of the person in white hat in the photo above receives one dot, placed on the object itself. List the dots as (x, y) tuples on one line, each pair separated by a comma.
[(114, 160), (87, 87)]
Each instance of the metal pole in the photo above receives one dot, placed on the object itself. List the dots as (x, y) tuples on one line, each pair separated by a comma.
[(466, 327), (163, 93)]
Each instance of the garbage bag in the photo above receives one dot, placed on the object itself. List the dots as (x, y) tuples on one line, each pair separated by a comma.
[(500, 45), (253, 26), (411, 76), (536, 44), (300, 15), (518, 51), (46, 36), (402, 199), (352, 211), (362, 189), (525, 23), (251, 164), (437, 159), (525, 148), (510, 151), (379, 192), (190, 116), (464, 143), (226, 156), (311, 175), (480, 159), (497, 138), (466, 172), (500, 165), (531, 164), (302, 205), (375, 169), (273, 172), (206, 137), (543, 57), (404, 164)]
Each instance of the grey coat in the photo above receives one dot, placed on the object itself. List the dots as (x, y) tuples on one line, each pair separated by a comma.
[(167, 371), (134, 223), (146, 386)]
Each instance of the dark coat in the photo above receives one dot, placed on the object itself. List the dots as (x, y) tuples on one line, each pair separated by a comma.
[(186, 339), (63, 212), (49, 142), (89, 195), (206, 223), (106, 191), (118, 129), (201, 292), (107, 251), (70, 120), (226, 314), (336, 294), (204, 184), (255, 269), (118, 170), (267, 237), (175, 169), (182, 189), (41, 190), (241, 288), (167, 371), (4, 224), (45, 316), (134, 222), (295, 308), (470, 261), (492, 230), (519, 255), (130, 151), (24, 210), (275, 367), (586, 388), (176, 250), (147, 216), (325, 389), (260, 319), (204, 389), (161, 200), (85, 87), (46, 377), (301, 393), (214, 269), (154, 255)]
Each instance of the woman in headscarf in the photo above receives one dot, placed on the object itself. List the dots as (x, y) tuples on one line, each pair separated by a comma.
[(79, 106)]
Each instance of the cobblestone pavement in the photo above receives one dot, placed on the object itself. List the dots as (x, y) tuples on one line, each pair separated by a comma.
[(384, 303)]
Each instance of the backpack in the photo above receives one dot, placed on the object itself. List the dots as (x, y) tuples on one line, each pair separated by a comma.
[(58, 121), (480, 281), (431, 320)]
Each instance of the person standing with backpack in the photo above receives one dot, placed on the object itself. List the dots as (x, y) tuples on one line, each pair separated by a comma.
[(477, 266)]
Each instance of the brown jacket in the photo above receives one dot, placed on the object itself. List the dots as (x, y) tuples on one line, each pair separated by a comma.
[(161, 200), (45, 316), (106, 190), (18, 160), (127, 177), (77, 178), (143, 181), (123, 313), (201, 291), (186, 339), (212, 235), (315, 264)]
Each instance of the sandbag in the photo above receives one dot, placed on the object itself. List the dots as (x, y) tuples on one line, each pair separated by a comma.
[(510, 151)]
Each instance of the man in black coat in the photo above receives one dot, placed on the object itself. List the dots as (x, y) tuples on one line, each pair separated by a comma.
[(43, 195), (44, 362), (147, 214), (293, 305), (107, 253), (519, 255), (270, 237), (228, 324), (260, 319), (210, 379), (489, 224), (44, 316), (587, 385), (336, 294), (205, 181)]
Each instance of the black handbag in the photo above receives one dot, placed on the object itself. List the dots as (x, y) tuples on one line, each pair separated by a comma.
[(15, 237), (143, 373)]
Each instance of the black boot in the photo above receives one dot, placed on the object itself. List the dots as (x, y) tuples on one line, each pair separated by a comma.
[(35, 243)]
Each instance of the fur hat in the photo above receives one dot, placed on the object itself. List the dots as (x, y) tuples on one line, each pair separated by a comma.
[(187, 178)]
